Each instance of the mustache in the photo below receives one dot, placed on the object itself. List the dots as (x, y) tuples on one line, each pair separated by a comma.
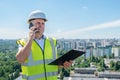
[(36, 30)]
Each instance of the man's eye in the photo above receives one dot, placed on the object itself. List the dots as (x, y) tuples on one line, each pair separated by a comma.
[(43, 23)]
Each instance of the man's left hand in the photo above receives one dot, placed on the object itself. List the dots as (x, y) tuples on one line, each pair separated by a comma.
[(67, 64)]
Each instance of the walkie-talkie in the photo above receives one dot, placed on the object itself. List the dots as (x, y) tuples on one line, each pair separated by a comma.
[(30, 25), (35, 30)]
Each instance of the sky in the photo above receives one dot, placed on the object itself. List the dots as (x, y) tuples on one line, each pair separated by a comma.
[(69, 19)]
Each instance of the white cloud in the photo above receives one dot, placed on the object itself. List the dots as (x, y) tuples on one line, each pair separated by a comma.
[(6, 34), (77, 32)]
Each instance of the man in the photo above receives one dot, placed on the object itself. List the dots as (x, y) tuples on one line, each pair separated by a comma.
[(37, 51)]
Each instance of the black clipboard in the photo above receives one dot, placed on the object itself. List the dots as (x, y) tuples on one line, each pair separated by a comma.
[(70, 55)]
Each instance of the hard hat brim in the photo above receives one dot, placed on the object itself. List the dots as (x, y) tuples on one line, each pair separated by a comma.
[(37, 18)]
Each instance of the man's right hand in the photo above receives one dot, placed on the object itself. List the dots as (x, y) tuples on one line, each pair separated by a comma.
[(32, 33)]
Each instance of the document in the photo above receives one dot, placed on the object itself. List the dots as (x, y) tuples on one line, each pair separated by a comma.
[(70, 55)]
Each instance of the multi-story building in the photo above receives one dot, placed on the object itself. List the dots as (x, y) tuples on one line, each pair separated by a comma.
[(96, 47), (116, 51)]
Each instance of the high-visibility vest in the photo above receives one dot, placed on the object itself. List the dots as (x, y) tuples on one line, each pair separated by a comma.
[(36, 65)]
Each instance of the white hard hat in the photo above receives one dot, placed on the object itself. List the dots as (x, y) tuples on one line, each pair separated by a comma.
[(36, 15)]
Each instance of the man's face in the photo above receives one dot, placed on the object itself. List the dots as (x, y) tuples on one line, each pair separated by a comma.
[(39, 24)]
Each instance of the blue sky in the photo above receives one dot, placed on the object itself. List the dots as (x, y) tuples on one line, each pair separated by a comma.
[(66, 18)]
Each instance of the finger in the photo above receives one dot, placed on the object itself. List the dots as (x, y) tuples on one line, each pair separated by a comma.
[(33, 28), (67, 64), (31, 31), (71, 61)]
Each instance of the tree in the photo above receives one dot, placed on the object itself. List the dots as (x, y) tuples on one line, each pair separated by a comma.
[(112, 65), (113, 56), (92, 58), (2, 72), (66, 72), (102, 65), (117, 65), (2, 78), (104, 56), (16, 73), (11, 77)]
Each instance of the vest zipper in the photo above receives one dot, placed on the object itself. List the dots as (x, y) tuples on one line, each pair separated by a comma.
[(43, 58), (44, 66)]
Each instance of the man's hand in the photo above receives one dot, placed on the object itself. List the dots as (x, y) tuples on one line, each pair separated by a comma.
[(32, 33), (67, 64)]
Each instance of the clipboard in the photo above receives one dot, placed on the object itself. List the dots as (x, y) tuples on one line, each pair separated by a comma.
[(70, 55)]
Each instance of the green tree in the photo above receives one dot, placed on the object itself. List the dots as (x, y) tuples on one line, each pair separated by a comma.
[(113, 56), (66, 72), (112, 65), (16, 73), (117, 65), (11, 77), (102, 65), (2, 72), (2, 78)]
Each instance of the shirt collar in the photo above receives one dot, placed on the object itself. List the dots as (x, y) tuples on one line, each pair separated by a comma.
[(43, 37)]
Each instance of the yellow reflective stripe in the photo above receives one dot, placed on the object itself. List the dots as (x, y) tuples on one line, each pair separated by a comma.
[(33, 77), (33, 63)]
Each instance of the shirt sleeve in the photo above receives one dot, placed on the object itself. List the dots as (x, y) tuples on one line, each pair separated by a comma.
[(19, 47)]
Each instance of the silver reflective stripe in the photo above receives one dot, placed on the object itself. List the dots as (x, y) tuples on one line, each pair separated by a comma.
[(30, 59), (32, 63), (48, 61), (51, 73), (39, 76), (53, 48)]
